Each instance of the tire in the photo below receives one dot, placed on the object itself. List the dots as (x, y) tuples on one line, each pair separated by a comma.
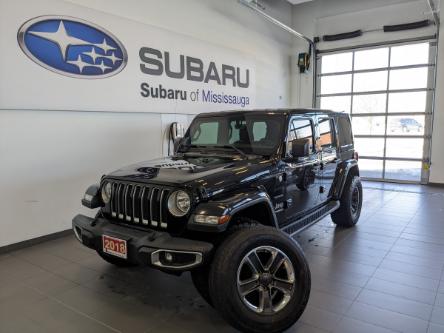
[(199, 276), (230, 270), (350, 204), (116, 261)]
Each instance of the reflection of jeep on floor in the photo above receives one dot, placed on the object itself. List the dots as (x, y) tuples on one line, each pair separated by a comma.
[(225, 205)]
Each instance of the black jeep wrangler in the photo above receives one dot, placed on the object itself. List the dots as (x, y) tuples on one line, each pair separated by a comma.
[(225, 206)]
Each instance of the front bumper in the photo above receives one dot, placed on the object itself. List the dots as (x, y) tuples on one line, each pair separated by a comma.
[(144, 247)]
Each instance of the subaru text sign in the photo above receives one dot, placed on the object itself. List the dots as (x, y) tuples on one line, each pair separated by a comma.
[(72, 47), (54, 52)]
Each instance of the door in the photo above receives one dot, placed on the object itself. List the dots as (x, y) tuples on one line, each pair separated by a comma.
[(326, 145), (388, 91), (302, 192)]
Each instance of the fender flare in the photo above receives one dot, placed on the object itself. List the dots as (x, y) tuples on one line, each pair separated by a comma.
[(230, 205), (342, 175)]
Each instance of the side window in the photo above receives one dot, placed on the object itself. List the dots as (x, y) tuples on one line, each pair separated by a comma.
[(326, 138), (345, 136), (206, 134), (301, 128)]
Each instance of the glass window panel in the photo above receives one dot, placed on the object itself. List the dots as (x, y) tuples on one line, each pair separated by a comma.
[(326, 133), (407, 102), (370, 168), (413, 54), (373, 147), (406, 125), (340, 62), (370, 81), (374, 58), (404, 147), (345, 135), (300, 129), (259, 130), (369, 125), (411, 78), (403, 170), (336, 84), (206, 134), (374, 103), (336, 103)]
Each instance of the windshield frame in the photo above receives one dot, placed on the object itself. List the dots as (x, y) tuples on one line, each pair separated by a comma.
[(225, 119)]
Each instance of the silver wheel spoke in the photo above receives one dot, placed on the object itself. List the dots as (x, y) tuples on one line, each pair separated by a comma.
[(255, 262), (248, 286), (265, 304), (285, 286), (277, 262)]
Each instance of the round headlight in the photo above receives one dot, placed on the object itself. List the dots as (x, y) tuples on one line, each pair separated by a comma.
[(179, 203), (106, 192)]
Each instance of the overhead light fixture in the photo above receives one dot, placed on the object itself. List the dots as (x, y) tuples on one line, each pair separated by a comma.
[(297, 2)]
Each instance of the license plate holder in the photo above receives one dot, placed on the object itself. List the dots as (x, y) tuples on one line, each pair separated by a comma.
[(115, 246)]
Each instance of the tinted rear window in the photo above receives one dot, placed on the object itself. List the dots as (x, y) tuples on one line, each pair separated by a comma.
[(345, 135)]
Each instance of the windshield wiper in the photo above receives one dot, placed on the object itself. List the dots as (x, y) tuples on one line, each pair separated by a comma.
[(234, 148)]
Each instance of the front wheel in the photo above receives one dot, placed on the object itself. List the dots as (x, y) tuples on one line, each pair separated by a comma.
[(260, 280), (350, 204)]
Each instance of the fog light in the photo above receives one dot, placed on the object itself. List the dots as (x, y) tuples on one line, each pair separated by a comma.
[(168, 257)]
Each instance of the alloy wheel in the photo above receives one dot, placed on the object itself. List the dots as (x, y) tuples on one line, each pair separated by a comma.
[(266, 280)]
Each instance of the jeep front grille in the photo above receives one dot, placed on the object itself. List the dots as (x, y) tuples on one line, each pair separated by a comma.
[(139, 204)]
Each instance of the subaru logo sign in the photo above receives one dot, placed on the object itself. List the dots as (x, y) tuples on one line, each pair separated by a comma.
[(72, 47)]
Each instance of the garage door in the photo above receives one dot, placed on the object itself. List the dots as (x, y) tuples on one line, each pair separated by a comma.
[(388, 92)]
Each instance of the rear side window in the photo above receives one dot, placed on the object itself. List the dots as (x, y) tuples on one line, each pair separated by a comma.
[(345, 135), (325, 133)]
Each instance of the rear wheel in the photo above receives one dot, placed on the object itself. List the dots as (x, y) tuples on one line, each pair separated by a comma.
[(260, 280), (350, 203)]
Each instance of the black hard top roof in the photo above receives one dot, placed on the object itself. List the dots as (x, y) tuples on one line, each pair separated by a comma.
[(307, 111)]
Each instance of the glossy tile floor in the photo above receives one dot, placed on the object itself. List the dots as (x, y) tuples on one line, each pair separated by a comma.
[(385, 275)]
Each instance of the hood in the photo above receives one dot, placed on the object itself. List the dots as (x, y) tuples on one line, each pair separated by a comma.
[(213, 173)]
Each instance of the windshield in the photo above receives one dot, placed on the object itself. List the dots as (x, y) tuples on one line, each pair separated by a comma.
[(258, 134)]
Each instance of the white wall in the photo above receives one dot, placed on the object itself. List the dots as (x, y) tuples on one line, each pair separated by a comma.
[(48, 158), (437, 167)]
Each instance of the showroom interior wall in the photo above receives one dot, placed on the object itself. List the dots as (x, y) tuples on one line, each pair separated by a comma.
[(49, 156), (323, 17), (437, 167)]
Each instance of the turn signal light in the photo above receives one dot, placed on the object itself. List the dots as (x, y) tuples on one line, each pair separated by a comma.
[(210, 219)]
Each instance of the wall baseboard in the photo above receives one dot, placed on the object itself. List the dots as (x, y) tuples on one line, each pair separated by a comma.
[(436, 184), (34, 241)]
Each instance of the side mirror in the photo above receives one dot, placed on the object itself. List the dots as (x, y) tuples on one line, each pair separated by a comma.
[(299, 149)]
